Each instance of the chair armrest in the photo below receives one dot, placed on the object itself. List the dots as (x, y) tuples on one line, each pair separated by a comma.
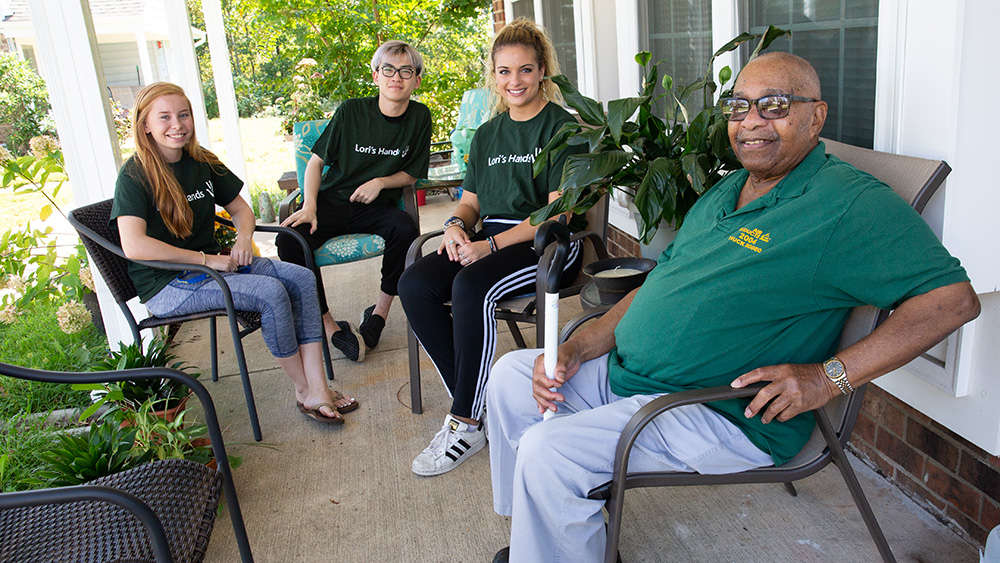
[(306, 251), (658, 406), (600, 247), (128, 501), (290, 204), (416, 247), (577, 321), (410, 203)]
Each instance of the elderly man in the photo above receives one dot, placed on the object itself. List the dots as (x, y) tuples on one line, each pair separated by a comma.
[(717, 310)]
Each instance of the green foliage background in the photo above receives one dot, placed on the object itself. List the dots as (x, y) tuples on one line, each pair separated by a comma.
[(267, 37), (24, 102)]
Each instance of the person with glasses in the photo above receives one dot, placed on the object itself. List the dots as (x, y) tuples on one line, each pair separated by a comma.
[(756, 287), (370, 149)]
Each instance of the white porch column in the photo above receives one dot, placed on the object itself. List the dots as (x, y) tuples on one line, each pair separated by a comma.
[(184, 64), (66, 51), (225, 92), (147, 67)]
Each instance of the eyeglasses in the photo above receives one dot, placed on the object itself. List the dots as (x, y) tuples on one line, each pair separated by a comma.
[(389, 71), (774, 106)]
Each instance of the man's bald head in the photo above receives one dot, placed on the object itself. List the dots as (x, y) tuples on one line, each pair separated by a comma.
[(800, 75)]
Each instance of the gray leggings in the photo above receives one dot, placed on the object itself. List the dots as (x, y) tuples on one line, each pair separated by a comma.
[(284, 294)]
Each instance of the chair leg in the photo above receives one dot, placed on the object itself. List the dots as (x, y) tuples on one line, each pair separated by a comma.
[(413, 353), (614, 528), (516, 333), (847, 472), (241, 361), (791, 489), (213, 346), (326, 357)]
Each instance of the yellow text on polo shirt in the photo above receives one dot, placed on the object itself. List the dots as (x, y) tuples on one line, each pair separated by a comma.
[(751, 240)]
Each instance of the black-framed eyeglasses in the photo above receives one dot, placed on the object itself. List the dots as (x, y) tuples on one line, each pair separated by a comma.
[(773, 106), (389, 71)]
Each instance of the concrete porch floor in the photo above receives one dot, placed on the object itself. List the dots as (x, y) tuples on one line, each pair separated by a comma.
[(310, 492)]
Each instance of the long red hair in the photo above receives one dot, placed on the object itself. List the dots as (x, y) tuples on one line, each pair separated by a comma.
[(156, 172)]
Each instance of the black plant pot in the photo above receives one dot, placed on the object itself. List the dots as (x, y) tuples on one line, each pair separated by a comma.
[(612, 287)]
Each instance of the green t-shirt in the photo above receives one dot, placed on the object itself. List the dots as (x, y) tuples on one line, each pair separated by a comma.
[(773, 283), (205, 187), (501, 160), (360, 144)]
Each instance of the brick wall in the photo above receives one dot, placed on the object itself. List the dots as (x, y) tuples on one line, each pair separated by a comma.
[(954, 480), (621, 244), (499, 18)]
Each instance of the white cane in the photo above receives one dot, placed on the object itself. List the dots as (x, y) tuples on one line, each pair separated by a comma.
[(548, 232)]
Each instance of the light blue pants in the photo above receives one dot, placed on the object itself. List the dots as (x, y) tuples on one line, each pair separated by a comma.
[(284, 294), (542, 471)]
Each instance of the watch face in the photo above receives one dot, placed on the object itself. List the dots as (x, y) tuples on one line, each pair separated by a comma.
[(834, 368)]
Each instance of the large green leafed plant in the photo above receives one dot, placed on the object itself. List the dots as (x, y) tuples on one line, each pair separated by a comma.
[(663, 163)]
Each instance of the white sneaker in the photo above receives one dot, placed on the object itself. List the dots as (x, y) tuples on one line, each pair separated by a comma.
[(453, 444)]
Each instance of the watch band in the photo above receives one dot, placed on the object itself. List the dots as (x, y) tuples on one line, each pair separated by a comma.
[(837, 373)]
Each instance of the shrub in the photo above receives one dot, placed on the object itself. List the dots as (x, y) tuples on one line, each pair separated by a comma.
[(24, 103)]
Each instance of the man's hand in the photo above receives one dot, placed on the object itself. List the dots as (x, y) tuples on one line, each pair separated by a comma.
[(567, 364), (307, 214), (367, 192), (794, 389)]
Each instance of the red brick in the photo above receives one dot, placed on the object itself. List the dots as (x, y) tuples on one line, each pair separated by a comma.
[(909, 459), (876, 459), (885, 414), (989, 518), (970, 526), (933, 444), (864, 429), (915, 488), (980, 475), (958, 493)]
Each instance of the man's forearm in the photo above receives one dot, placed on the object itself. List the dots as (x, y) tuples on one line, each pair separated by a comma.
[(598, 338), (914, 327)]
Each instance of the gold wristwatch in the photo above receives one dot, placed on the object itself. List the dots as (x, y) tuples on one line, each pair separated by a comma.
[(834, 370)]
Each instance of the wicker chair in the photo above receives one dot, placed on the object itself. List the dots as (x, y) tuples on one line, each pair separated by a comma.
[(915, 180), (162, 511), (104, 246)]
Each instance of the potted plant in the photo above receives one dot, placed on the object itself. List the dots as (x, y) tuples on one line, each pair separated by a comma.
[(166, 396), (662, 163), (173, 439)]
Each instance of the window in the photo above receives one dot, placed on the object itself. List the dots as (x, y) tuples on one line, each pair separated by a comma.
[(557, 19), (839, 38), (679, 32)]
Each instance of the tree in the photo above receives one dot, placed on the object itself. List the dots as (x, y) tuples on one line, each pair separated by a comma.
[(24, 103)]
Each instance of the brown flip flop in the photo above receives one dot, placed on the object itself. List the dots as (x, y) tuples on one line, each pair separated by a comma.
[(351, 406), (316, 414)]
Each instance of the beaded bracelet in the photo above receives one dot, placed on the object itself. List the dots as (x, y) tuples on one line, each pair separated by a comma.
[(454, 221), (493, 244)]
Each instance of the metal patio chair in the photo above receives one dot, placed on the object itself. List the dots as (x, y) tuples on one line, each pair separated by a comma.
[(104, 246), (522, 309)]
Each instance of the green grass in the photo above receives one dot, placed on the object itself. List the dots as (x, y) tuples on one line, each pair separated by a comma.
[(36, 341), (18, 443), (266, 153)]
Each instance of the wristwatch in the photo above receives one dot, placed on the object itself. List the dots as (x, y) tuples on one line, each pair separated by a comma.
[(834, 369)]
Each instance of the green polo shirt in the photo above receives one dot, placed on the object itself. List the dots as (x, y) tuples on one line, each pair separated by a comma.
[(205, 186), (773, 283), (501, 159), (360, 144)]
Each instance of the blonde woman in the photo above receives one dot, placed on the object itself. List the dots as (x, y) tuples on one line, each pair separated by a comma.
[(164, 208), (476, 269)]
